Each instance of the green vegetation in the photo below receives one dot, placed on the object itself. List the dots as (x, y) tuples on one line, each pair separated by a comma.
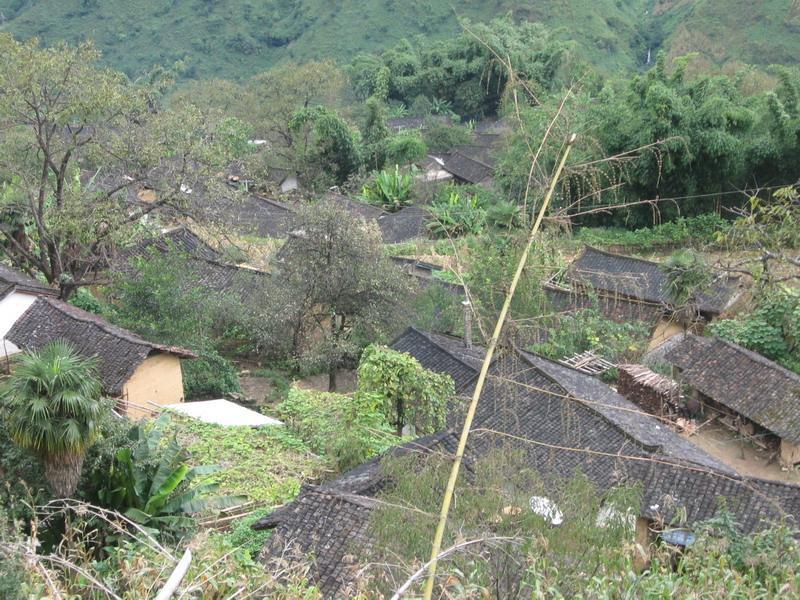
[(152, 483), (455, 213), (241, 38), (52, 407), (588, 329), (390, 190), (701, 230), (153, 302), (348, 430), (265, 464), (525, 556), (772, 329), (412, 395)]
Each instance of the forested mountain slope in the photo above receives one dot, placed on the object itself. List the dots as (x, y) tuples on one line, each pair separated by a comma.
[(236, 38)]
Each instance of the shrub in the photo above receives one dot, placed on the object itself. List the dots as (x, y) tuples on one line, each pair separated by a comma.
[(411, 394), (588, 329), (209, 376), (347, 429), (405, 148), (152, 483)]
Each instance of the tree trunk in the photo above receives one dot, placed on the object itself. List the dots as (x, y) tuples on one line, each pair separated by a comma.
[(332, 379), (63, 472)]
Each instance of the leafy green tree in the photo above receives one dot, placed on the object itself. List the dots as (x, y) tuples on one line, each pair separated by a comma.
[(152, 483), (150, 297), (412, 395), (77, 138), (405, 147), (52, 407), (348, 429), (335, 288), (772, 329), (327, 148)]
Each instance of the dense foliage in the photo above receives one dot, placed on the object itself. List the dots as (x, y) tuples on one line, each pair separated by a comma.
[(772, 329), (348, 430), (152, 483), (151, 298), (412, 395)]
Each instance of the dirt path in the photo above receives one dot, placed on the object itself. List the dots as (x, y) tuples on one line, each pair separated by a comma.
[(725, 445), (346, 382)]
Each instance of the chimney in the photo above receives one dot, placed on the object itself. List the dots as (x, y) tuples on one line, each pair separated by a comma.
[(467, 323)]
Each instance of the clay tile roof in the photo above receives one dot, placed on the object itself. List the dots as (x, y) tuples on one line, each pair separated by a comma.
[(562, 423), (743, 380), (406, 224), (443, 354), (119, 351), (641, 279), (467, 168), (13, 280), (179, 239), (329, 523)]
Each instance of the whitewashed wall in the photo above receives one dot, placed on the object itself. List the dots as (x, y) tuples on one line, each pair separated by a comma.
[(11, 309)]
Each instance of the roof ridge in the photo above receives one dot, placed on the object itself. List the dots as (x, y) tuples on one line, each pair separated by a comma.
[(74, 313), (425, 334)]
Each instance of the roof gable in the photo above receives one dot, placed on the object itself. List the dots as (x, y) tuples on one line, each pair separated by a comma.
[(743, 380), (441, 353), (119, 352)]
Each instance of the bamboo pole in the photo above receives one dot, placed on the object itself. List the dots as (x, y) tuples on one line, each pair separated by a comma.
[(462, 442)]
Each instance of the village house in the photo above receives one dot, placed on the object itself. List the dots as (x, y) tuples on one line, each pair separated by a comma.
[(626, 288), (18, 292), (562, 422), (752, 394), (213, 272), (142, 375)]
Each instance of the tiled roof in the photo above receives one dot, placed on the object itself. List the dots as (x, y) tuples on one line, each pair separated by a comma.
[(119, 352), (524, 408), (329, 523), (443, 354), (366, 211), (748, 383), (248, 214), (642, 279), (179, 239), (562, 423), (406, 224), (11, 280), (616, 308), (648, 431), (210, 269), (466, 168)]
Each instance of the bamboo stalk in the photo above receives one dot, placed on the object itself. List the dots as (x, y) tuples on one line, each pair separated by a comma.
[(462, 442)]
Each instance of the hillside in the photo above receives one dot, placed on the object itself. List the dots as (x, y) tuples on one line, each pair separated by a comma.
[(236, 38)]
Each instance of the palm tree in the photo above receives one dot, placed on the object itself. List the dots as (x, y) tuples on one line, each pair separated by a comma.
[(52, 407)]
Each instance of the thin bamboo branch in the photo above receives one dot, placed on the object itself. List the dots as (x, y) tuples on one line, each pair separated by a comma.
[(462, 443)]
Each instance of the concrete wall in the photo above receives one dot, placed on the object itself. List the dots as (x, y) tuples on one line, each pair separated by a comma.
[(11, 309), (158, 380)]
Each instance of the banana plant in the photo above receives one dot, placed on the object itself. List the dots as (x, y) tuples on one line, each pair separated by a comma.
[(391, 189), (152, 484)]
